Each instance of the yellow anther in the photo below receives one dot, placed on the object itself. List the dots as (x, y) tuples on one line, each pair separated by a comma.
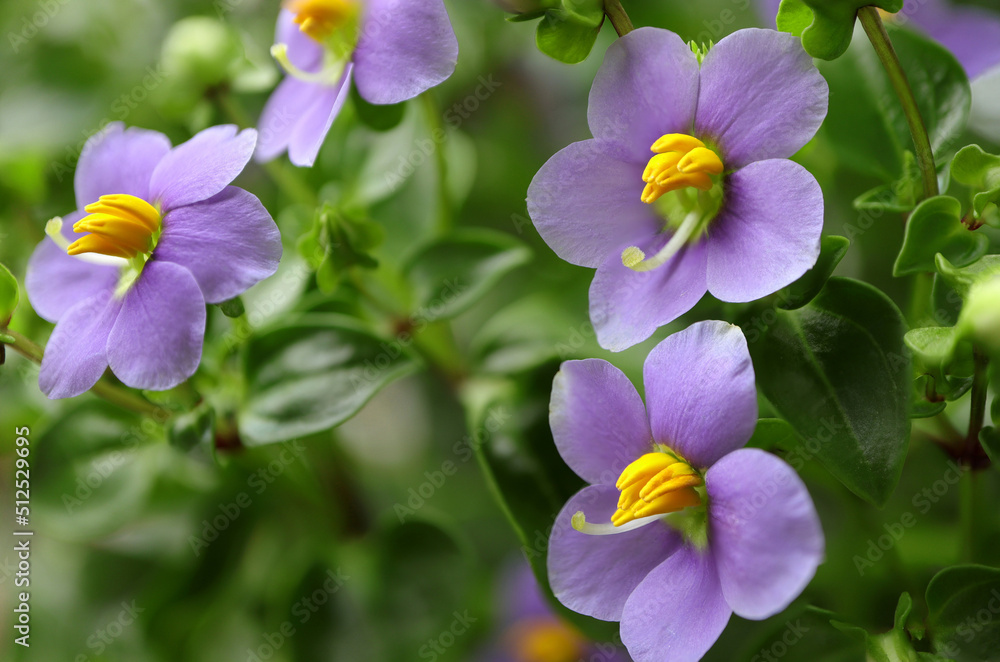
[(701, 159), (656, 484), (321, 18), (680, 161), (119, 225)]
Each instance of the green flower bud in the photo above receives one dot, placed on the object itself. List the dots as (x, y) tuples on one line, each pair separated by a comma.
[(201, 51)]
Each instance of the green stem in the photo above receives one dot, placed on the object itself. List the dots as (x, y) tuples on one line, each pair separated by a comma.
[(104, 388), (619, 19), (286, 180), (977, 408), (967, 514), (438, 135), (875, 29)]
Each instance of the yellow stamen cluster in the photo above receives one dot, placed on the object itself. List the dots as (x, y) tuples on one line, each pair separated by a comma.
[(321, 18), (545, 640), (656, 484), (119, 225), (680, 161)]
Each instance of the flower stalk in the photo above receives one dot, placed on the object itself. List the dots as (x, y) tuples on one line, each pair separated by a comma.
[(619, 18), (875, 29)]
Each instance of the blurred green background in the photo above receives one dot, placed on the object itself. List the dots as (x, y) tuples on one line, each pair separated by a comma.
[(361, 538)]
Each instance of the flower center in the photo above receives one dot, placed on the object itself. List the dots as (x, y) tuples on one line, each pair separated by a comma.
[(685, 167), (657, 483), (545, 640), (320, 19), (120, 225)]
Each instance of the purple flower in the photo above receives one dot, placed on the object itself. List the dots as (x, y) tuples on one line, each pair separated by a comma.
[(688, 166), (972, 34), (166, 235), (394, 49), (702, 528), (531, 632)]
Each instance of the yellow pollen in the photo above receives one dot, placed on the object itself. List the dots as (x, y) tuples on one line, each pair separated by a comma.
[(545, 640), (656, 484), (680, 161), (119, 225), (321, 18)]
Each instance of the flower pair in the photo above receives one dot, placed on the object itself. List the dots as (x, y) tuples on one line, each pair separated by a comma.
[(680, 526)]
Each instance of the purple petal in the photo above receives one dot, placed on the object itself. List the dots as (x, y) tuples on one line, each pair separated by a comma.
[(201, 167), (229, 243), (521, 596), (598, 420), (768, 9), (303, 51), (156, 342), (585, 204), (282, 113), (76, 355), (768, 232), (594, 575), (316, 120), (677, 612), (406, 47), (56, 281), (647, 87), (761, 97), (117, 160), (626, 306), (700, 392), (972, 34), (764, 531)]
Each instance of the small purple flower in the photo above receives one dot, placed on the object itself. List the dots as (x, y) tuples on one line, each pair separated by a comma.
[(688, 166), (531, 632), (163, 233), (703, 528), (972, 34), (394, 49)]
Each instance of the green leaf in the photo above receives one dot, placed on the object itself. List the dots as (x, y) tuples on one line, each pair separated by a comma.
[(773, 433), (452, 273), (980, 171), (826, 26), (956, 597), (8, 294), (564, 36), (839, 372), (313, 375), (933, 345), (192, 428), (961, 279), (375, 116), (233, 308), (989, 438), (901, 196), (866, 126), (832, 250), (936, 227)]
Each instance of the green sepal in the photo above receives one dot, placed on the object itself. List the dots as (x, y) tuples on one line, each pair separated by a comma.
[(337, 241), (233, 307), (936, 227), (980, 171), (826, 26)]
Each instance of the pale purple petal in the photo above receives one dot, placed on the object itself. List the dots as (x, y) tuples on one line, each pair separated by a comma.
[(647, 87), (626, 306), (282, 113), (311, 129), (201, 167), (594, 575), (768, 232), (768, 9), (76, 355), (303, 51), (764, 532), (521, 596), (406, 47), (229, 243), (56, 281), (677, 612), (700, 392), (761, 97), (585, 204), (598, 420), (156, 342), (118, 160), (972, 34)]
